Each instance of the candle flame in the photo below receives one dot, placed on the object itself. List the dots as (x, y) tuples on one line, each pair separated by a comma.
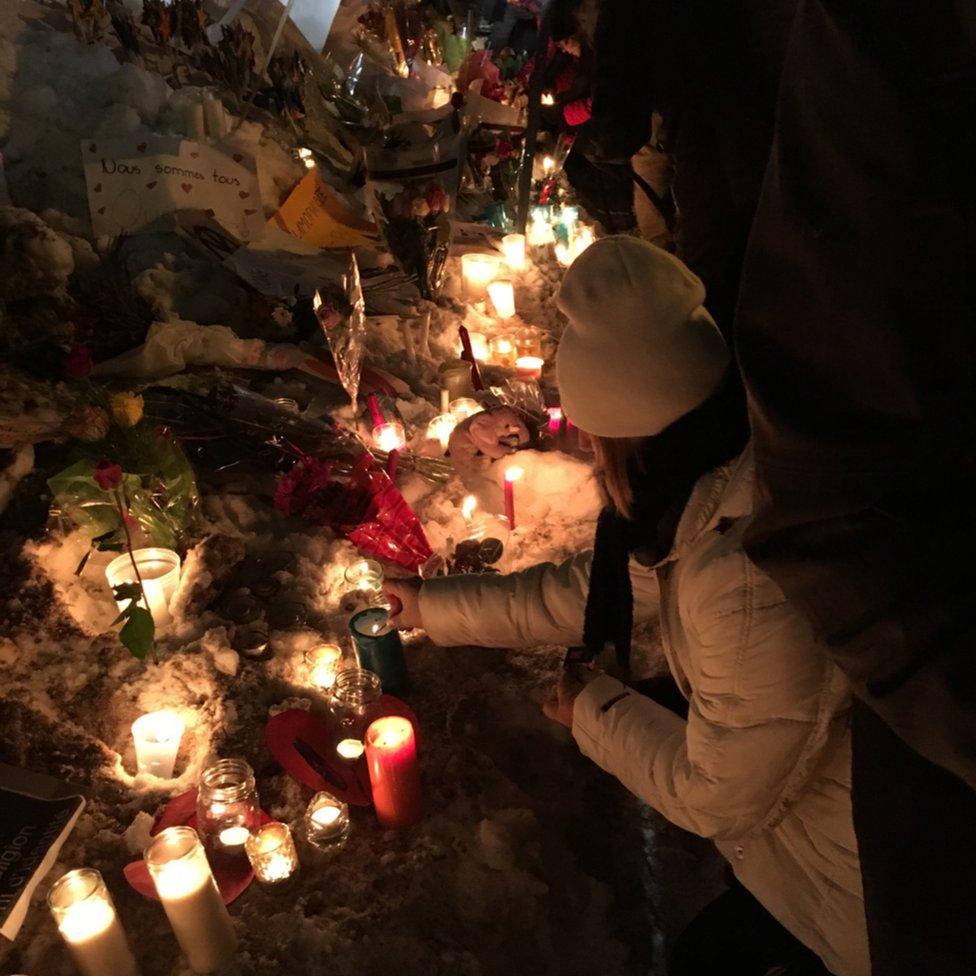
[(316, 302), (514, 473), (468, 506)]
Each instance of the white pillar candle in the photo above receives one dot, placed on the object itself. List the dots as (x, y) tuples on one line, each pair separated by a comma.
[(86, 919), (502, 295), (157, 737), (478, 271), (186, 887), (160, 572), (513, 247)]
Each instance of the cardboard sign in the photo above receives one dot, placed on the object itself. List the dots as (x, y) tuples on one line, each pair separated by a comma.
[(316, 215), (133, 181)]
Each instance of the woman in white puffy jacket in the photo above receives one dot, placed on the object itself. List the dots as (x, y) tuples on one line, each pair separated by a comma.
[(762, 763)]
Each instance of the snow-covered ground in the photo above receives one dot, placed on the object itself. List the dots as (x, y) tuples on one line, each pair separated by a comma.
[(529, 859)]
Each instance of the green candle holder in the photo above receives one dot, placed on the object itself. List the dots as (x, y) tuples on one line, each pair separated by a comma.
[(380, 648)]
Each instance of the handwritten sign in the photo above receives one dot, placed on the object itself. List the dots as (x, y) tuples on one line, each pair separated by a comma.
[(131, 182), (317, 216)]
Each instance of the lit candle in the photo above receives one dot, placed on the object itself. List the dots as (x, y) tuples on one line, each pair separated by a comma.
[(479, 345), (502, 351), (380, 648), (441, 428), (445, 399), (502, 295), (365, 574), (512, 475), (86, 919), (389, 436), (548, 98), (478, 271), (529, 367), (548, 164), (582, 241), (468, 506), (564, 255), (160, 572), (271, 851), (234, 837), (326, 820), (391, 755), (157, 737), (322, 664), (186, 887), (350, 748), (513, 247), (540, 231), (527, 343), (465, 407), (307, 157), (227, 807), (555, 419)]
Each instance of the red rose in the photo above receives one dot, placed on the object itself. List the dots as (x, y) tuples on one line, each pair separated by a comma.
[(108, 475), (78, 363), (436, 198)]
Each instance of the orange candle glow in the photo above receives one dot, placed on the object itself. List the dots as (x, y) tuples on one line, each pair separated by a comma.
[(391, 756)]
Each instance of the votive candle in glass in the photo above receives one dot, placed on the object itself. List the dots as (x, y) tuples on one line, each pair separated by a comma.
[(379, 646), (441, 428), (227, 806), (86, 918), (478, 271), (502, 295), (271, 851), (365, 574), (186, 887), (529, 367), (322, 664), (326, 821), (157, 738), (389, 436), (391, 757), (355, 702), (464, 407), (502, 351), (160, 572), (513, 247), (528, 343)]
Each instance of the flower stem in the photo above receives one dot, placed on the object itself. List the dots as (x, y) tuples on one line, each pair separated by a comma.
[(132, 558)]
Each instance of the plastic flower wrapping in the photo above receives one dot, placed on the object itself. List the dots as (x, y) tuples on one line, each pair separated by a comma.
[(344, 328)]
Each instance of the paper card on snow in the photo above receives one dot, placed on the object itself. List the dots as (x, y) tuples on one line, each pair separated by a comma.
[(133, 181), (314, 19), (316, 215)]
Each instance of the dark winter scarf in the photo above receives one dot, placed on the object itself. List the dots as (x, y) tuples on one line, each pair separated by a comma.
[(662, 477)]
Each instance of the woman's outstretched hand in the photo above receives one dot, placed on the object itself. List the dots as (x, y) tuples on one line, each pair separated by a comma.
[(571, 682), (407, 593)]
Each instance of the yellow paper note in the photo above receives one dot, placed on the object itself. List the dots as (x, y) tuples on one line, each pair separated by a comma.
[(317, 216)]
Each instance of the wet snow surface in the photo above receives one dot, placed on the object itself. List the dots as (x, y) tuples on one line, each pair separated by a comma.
[(529, 859)]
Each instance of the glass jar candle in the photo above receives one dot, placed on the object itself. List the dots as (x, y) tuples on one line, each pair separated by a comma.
[(379, 647), (365, 575), (160, 572), (227, 806), (441, 428), (185, 884), (502, 351), (271, 851), (86, 918), (513, 246), (326, 821), (322, 663), (528, 344), (389, 436), (355, 702), (478, 271), (465, 407)]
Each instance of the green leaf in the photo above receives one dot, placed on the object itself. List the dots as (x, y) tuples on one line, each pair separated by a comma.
[(138, 632), (127, 591)]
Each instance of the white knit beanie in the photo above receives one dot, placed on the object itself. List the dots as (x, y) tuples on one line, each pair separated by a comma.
[(640, 351)]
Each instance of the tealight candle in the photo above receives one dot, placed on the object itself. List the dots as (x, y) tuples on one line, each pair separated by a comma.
[(380, 648), (186, 887), (512, 475), (157, 738), (465, 407), (548, 98), (529, 367), (478, 271), (355, 702), (441, 428), (271, 851), (502, 295), (365, 574), (502, 351), (350, 748), (513, 247), (322, 665), (327, 820), (389, 436), (160, 573), (391, 756), (86, 918)]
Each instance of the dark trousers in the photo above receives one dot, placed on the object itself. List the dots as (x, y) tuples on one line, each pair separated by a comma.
[(735, 936)]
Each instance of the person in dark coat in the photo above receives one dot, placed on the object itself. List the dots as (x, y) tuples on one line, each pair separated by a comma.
[(855, 334)]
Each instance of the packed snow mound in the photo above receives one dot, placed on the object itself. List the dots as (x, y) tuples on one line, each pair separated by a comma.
[(34, 259)]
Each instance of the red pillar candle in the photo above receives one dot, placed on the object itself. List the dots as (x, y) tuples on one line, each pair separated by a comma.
[(391, 756), (511, 476)]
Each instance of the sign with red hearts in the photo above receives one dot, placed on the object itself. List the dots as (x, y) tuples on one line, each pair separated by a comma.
[(134, 182)]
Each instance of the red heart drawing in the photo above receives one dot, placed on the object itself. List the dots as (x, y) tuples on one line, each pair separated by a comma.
[(150, 185), (243, 194), (97, 188), (247, 213), (194, 155), (237, 157), (101, 210), (142, 146), (186, 187), (92, 148)]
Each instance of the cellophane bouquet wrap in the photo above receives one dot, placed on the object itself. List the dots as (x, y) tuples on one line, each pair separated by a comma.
[(343, 321)]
